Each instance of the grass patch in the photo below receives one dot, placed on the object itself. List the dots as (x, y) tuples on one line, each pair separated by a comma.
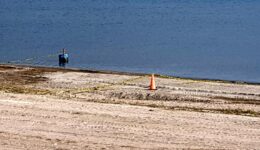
[(24, 90)]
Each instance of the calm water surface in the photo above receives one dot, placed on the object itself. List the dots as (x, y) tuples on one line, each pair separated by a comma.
[(190, 38)]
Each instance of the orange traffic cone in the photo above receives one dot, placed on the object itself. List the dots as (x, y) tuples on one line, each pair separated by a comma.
[(152, 83)]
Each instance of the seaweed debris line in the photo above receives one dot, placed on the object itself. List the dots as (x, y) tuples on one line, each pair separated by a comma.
[(57, 108)]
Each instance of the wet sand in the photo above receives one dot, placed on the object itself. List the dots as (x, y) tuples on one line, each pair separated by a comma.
[(50, 108)]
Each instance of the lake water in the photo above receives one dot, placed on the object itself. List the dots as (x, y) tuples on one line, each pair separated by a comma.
[(189, 38)]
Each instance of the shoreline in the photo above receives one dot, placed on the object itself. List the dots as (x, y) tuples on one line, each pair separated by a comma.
[(57, 108), (136, 74), (22, 77)]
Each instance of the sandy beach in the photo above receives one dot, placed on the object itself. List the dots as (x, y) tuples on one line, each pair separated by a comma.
[(52, 108)]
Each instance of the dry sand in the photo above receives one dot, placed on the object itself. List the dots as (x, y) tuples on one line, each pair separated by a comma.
[(45, 108)]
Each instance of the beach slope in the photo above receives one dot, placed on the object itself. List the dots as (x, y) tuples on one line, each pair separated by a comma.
[(52, 108)]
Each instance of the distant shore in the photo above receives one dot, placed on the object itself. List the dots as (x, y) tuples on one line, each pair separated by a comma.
[(132, 73)]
